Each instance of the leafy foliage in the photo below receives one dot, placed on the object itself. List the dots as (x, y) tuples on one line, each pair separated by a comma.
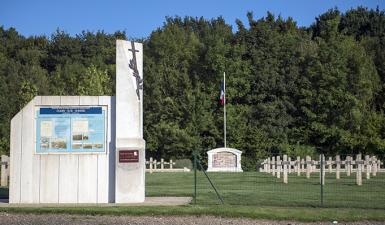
[(289, 89)]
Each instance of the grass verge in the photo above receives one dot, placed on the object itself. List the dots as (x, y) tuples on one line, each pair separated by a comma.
[(268, 213)]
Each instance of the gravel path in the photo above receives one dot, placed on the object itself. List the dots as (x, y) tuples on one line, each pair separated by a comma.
[(56, 219)]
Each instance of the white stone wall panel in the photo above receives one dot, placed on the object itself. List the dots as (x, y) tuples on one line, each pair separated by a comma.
[(88, 178), (106, 171), (15, 158), (30, 169)]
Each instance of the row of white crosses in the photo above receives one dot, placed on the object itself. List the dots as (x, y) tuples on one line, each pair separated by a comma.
[(370, 165), (153, 164)]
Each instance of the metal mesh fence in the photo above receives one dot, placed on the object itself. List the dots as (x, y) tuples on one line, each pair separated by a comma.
[(348, 182), (354, 181)]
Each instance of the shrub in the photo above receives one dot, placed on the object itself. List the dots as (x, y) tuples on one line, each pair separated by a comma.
[(181, 163)]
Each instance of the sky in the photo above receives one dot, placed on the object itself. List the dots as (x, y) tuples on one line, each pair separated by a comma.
[(139, 18)]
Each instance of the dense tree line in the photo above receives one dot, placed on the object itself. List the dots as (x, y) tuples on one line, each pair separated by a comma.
[(290, 89)]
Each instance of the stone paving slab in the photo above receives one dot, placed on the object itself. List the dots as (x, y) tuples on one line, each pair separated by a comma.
[(149, 201)]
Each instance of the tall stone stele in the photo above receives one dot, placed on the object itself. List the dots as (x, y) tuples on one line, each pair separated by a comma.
[(130, 145)]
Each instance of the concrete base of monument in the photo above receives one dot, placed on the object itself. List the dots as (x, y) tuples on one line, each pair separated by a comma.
[(224, 169), (149, 201)]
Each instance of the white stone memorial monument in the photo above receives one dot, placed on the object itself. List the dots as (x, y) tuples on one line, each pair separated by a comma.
[(83, 149), (130, 154), (224, 160)]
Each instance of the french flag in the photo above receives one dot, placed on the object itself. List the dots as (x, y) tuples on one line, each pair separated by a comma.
[(222, 97)]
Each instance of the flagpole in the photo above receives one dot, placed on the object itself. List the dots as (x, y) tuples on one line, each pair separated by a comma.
[(224, 106)]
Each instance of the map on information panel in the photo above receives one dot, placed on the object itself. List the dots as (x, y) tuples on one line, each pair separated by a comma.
[(70, 129)]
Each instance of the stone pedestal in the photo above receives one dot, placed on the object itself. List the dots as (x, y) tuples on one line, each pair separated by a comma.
[(130, 173)]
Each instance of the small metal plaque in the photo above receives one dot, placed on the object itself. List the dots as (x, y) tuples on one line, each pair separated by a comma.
[(128, 156)]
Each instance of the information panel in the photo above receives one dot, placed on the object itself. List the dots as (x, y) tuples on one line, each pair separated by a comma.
[(70, 130)]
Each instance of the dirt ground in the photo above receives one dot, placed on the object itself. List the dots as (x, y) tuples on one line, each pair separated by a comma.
[(56, 219)]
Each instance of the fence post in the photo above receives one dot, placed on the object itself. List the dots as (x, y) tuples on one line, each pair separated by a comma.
[(211, 183), (285, 168), (4, 171), (279, 167), (195, 178), (338, 166), (368, 167), (358, 170), (322, 177), (268, 165), (298, 166), (308, 166), (170, 163), (322, 169), (155, 165), (273, 165)]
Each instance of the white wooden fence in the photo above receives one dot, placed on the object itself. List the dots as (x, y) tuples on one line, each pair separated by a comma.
[(4, 171), (370, 166), (163, 166)]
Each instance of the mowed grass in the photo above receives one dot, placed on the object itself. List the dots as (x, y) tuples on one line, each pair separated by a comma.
[(252, 195), (261, 189), (254, 212)]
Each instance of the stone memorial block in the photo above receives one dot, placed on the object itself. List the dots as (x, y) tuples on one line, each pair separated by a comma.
[(224, 160), (60, 146), (83, 149)]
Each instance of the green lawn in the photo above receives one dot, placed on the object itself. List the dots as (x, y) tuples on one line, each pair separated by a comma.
[(260, 189), (252, 195), (254, 212)]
